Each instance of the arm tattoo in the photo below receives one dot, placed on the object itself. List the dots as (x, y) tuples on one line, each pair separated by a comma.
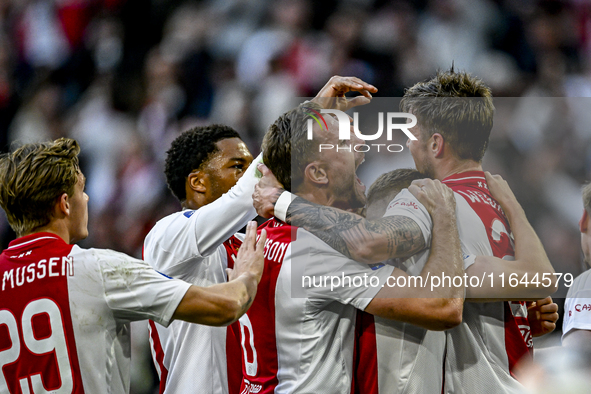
[(276, 196), (392, 236)]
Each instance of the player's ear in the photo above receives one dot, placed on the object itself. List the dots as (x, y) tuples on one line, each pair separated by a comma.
[(584, 222), (62, 206), (436, 145), (196, 181), (316, 173)]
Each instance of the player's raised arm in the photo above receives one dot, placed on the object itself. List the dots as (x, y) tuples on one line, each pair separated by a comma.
[(214, 223), (223, 304), (433, 308), (369, 241), (531, 268)]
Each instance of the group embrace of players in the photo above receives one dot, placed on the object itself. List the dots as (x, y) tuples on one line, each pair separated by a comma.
[(65, 311)]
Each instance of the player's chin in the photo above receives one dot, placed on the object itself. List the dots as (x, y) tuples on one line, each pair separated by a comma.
[(82, 234)]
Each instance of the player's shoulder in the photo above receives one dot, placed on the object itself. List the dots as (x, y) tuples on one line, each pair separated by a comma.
[(406, 204), (170, 224), (581, 282), (168, 220), (405, 199), (99, 256)]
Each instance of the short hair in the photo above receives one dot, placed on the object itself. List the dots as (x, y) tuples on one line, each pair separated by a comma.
[(190, 151), (286, 148), (391, 183), (587, 197), (32, 179), (457, 105)]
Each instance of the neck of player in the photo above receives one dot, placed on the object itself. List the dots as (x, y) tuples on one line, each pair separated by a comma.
[(449, 167), (322, 196), (57, 227)]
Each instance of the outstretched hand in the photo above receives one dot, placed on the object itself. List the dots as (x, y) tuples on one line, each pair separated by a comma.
[(500, 190), (434, 195), (266, 193), (249, 259), (332, 95)]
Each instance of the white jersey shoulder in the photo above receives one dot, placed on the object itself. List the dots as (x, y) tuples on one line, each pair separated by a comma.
[(577, 306), (473, 237), (131, 288)]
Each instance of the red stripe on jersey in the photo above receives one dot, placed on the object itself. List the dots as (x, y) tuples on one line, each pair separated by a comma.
[(158, 355), (233, 351), (257, 326), (365, 356), (234, 358), (37, 340), (232, 245), (472, 186), (518, 339)]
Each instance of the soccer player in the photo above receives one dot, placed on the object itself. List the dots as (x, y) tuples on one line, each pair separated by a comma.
[(455, 113), (576, 327), (208, 169), (298, 336), (393, 356), (64, 320)]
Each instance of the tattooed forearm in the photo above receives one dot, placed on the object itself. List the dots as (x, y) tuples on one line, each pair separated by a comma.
[(356, 237), (276, 196)]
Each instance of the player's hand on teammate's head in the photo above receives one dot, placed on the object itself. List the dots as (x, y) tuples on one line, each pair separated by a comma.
[(332, 95), (266, 193), (434, 195), (500, 190), (249, 259), (542, 316)]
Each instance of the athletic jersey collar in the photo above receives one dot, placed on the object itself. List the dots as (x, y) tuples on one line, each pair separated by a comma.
[(32, 239), (474, 178)]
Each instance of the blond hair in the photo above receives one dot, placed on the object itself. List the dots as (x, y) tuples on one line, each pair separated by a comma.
[(33, 177), (388, 185)]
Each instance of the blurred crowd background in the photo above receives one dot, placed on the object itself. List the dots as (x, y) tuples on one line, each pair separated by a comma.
[(125, 77)]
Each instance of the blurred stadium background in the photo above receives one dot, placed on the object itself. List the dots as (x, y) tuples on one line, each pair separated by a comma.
[(124, 77)]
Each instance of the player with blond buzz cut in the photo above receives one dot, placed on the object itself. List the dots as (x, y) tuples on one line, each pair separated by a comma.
[(66, 310)]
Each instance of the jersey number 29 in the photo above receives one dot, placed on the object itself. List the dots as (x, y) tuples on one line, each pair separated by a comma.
[(56, 341)]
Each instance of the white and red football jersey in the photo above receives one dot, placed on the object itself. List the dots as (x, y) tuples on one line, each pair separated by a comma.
[(396, 357), (65, 314), (188, 245), (298, 335), (482, 351), (577, 305)]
